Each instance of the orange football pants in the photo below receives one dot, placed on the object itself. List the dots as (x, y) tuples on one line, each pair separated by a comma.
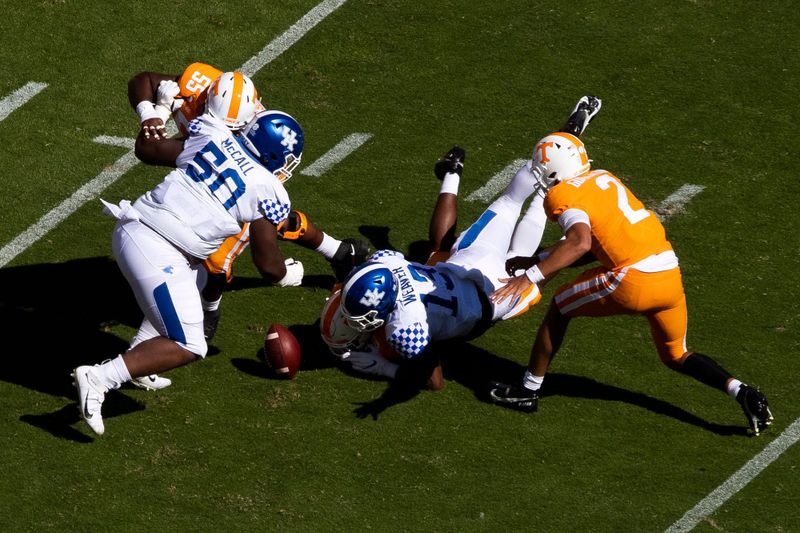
[(221, 261), (658, 296)]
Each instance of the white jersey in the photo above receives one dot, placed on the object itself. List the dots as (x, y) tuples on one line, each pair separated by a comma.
[(434, 303), (216, 187)]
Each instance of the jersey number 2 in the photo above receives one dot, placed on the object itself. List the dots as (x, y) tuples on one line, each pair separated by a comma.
[(633, 215)]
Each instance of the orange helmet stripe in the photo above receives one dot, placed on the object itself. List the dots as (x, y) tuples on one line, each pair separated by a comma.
[(236, 97)]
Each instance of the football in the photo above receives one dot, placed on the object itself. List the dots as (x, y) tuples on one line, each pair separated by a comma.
[(282, 351)]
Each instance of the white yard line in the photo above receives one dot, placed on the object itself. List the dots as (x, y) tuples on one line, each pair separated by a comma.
[(674, 202), (291, 36), (344, 148), (497, 183), (67, 207), (737, 481), (19, 97), (93, 189)]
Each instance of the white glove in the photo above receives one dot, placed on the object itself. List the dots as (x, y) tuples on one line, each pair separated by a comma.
[(372, 362), (166, 93), (294, 274)]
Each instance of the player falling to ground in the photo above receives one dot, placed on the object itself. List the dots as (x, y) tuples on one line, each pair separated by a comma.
[(161, 240), (639, 274), (157, 97), (390, 309)]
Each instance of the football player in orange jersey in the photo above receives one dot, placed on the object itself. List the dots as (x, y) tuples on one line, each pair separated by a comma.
[(639, 274), (157, 97)]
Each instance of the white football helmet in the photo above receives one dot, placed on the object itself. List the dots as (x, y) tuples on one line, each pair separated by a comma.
[(233, 99), (559, 156)]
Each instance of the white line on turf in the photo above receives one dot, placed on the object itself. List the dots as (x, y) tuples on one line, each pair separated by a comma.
[(737, 481), (344, 148), (497, 182), (92, 189), (19, 97), (674, 202), (291, 36), (67, 207)]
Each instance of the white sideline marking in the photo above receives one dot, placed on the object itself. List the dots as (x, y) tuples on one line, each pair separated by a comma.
[(737, 481), (93, 189), (345, 147), (19, 97), (291, 36), (67, 207), (674, 202), (497, 183)]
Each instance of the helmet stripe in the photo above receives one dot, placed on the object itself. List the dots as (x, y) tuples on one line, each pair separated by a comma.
[(236, 96)]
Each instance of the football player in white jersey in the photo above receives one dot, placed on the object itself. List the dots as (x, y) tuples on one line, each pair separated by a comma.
[(158, 98), (161, 239), (389, 310)]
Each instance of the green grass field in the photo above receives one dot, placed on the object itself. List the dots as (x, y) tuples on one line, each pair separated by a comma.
[(695, 92)]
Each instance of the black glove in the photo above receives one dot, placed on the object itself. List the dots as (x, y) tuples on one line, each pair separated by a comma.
[(351, 253), (452, 161)]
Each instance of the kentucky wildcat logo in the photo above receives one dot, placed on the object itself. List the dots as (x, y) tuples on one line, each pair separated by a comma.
[(372, 298)]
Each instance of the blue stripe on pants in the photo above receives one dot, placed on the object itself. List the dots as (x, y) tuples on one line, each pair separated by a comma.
[(168, 313), (475, 229)]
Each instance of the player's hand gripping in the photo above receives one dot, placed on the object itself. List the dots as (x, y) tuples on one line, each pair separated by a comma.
[(513, 288)]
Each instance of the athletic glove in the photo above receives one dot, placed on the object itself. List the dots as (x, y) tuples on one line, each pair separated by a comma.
[(294, 274), (371, 362)]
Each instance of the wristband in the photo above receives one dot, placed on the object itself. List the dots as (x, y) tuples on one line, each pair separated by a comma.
[(146, 110), (534, 274)]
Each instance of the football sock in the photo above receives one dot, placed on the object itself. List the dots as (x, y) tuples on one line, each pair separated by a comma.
[(212, 305), (113, 373), (450, 183), (328, 246), (531, 382), (705, 370), (733, 387)]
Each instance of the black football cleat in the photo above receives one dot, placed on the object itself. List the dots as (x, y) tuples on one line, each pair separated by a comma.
[(452, 161), (585, 110), (518, 398), (755, 407), (210, 323)]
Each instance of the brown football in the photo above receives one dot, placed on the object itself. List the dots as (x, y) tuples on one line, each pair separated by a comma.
[(282, 351)]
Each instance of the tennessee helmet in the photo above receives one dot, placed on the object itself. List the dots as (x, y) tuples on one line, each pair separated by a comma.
[(232, 98), (368, 296), (276, 139), (335, 330), (559, 156)]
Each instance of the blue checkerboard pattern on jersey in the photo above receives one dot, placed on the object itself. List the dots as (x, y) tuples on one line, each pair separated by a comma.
[(384, 253), (276, 212), (410, 341)]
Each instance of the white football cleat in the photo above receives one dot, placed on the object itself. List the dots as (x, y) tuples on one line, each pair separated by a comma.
[(151, 382), (91, 393)]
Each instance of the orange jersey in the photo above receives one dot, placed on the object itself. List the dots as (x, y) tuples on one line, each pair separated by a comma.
[(193, 84), (623, 230)]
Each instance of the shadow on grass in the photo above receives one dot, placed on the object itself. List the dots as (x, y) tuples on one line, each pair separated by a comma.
[(474, 368), (62, 423), (60, 315)]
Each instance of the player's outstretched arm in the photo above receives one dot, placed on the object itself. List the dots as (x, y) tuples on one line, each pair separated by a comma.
[(268, 257)]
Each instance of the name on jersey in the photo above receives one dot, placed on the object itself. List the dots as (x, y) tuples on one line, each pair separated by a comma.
[(244, 163), (407, 293)]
